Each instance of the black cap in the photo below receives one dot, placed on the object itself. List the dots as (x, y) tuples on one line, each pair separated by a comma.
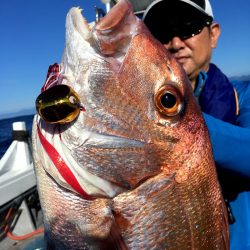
[(161, 15), (202, 8)]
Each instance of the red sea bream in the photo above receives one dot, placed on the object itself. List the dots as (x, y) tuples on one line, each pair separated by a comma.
[(133, 167)]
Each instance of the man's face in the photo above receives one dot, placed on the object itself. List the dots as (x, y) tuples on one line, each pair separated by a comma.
[(195, 52), (186, 32)]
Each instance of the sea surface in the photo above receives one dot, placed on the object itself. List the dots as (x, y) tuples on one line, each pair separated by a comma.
[(6, 130)]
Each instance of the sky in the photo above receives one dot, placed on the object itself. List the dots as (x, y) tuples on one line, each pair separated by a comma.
[(32, 35)]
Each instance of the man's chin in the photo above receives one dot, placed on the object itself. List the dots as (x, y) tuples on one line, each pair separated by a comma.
[(186, 67)]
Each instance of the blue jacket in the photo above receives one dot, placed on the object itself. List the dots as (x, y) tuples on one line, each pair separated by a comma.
[(231, 148)]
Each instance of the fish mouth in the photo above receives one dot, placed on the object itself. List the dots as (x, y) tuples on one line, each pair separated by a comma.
[(104, 35), (76, 21)]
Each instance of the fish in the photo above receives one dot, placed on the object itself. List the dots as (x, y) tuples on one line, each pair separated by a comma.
[(133, 167)]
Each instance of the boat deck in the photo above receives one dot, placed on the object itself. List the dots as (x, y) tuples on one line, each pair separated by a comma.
[(19, 219), (34, 243)]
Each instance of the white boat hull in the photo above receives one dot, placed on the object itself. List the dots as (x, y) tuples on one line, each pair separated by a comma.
[(16, 170)]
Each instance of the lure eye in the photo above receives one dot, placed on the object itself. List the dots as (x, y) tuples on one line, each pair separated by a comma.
[(58, 104), (73, 100), (169, 101)]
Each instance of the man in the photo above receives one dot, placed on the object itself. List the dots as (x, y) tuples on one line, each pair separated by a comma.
[(186, 29)]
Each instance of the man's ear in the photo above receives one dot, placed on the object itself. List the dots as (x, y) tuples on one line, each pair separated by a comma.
[(214, 34)]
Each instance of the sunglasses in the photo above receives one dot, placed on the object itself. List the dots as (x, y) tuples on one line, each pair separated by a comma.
[(183, 30), (59, 104)]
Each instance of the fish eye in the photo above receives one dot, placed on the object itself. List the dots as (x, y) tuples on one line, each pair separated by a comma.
[(169, 101)]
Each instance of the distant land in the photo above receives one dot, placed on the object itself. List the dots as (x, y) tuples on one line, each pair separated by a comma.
[(22, 112), (244, 78)]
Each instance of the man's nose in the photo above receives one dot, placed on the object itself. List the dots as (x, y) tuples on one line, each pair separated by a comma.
[(174, 45)]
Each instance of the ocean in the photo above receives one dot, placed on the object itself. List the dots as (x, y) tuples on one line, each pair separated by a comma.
[(6, 130)]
